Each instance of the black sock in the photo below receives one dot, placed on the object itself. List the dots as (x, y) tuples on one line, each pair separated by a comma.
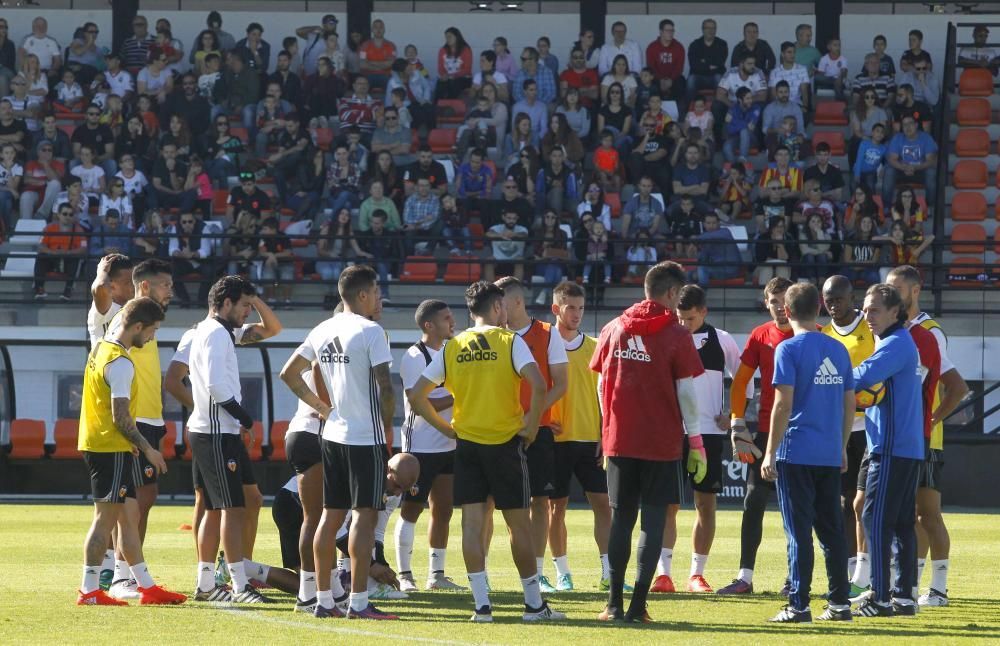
[(752, 528), (619, 548), (650, 544)]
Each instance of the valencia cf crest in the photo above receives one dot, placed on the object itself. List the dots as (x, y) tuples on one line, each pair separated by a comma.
[(231, 465), (148, 471), (122, 492), (385, 499)]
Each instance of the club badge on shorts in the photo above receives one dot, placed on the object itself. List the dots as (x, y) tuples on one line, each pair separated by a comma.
[(231, 465), (148, 471), (122, 492)]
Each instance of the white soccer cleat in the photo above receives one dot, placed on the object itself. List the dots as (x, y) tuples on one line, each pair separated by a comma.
[(124, 589), (483, 615), (438, 581), (933, 598), (382, 591), (406, 582), (542, 614)]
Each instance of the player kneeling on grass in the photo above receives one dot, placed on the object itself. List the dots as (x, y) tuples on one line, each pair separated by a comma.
[(807, 451), (110, 441)]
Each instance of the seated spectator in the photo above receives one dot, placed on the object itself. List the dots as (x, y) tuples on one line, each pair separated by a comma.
[(293, 152), (796, 76), (707, 60), (145, 111), (740, 128), (522, 136), (622, 76), (555, 184), (454, 66), (397, 99), (872, 78), (11, 174), (237, 91), (863, 204), (395, 139), (69, 95), (418, 98), (885, 63), (924, 85), (915, 53), (718, 257), (111, 235), (190, 106), (685, 222), (241, 243), (560, 136), (692, 178), (135, 142), (608, 164), (205, 44), (41, 183), (456, 227), (598, 248), (699, 117), (115, 198), (774, 249), (551, 250), (191, 254), (790, 138), (862, 252), (642, 212), (788, 175), (288, 82), (863, 118), (776, 112), (907, 209), (155, 80), (422, 218), (384, 249), (616, 116), (641, 255), (488, 73), (277, 270), (649, 158), (136, 186), (91, 133), (197, 180), (530, 105), (743, 74), (871, 157), (377, 55), (377, 201), (511, 199), (73, 195), (254, 49), (907, 105), (912, 156), (831, 73), (474, 182), (169, 176), (545, 55), (619, 45), (62, 248), (530, 70), (427, 168), (582, 78), (269, 123), (815, 204), (979, 55), (322, 95), (734, 192), (152, 240), (343, 181), (304, 185), (594, 204), (829, 176), (357, 152), (773, 202), (248, 196), (815, 248), (645, 91), (477, 131), (507, 242), (391, 178), (754, 46), (525, 171), (62, 149), (904, 248), (208, 77), (179, 135)]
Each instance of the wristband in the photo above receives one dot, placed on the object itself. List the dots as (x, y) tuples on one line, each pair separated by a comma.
[(738, 421), (695, 442)]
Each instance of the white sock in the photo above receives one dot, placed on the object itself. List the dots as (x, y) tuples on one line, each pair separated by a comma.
[(939, 575), (437, 559), (562, 565), (921, 563), (121, 571), (851, 562), (336, 587), (605, 567), (666, 561), (109, 560), (239, 576), (307, 585), (206, 576), (745, 575), (91, 579), (698, 562), (862, 571), (481, 596), (325, 598), (359, 601), (540, 563), (532, 592), (344, 563), (142, 576), (256, 571), (404, 544)]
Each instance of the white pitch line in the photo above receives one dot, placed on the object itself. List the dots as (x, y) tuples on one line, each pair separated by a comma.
[(327, 628)]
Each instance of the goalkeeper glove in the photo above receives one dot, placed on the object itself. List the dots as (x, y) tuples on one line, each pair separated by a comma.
[(697, 462), (744, 449)]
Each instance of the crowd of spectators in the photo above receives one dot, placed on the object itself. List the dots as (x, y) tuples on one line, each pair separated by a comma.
[(590, 167)]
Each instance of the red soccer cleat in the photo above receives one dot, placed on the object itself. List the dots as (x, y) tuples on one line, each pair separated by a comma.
[(697, 583), (98, 598), (160, 596), (663, 583)]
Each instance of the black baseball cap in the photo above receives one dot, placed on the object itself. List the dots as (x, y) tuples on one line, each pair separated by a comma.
[(330, 18)]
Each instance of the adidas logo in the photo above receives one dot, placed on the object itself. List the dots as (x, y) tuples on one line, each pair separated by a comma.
[(827, 374), (334, 353), (635, 350), (478, 350)]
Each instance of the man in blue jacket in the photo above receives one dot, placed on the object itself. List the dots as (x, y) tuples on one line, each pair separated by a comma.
[(895, 449)]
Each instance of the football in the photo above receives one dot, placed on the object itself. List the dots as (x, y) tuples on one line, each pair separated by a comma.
[(870, 396)]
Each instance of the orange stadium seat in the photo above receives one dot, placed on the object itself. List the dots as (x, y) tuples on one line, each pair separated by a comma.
[(463, 273), (477, 232), (240, 133), (972, 237), (830, 113), (975, 81), (972, 142), (614, 202), (966, 271), (968, 207), (168, 445), (835, 139), (258, 436), (450, 111), (278, 430), (419, 269), (27, 439), (442, 140), (67, 432), (324, 137), (220, 200), (974, 112), (970, 174)]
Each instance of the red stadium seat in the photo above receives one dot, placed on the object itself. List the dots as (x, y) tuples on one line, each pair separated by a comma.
[(168, 445), (67, 432), (278, 431), (442, 140), (975, 81), (835, 139), (27, 439), (258, 436), (971, 236), (968, 207), (966, 271), (972, 142), (463, 273), (419, 269), (831, 113), (240, 133), (324, 137), (974, 112), (450, 111), (477, 232), (614, 202), (969, 174), (220, 200)]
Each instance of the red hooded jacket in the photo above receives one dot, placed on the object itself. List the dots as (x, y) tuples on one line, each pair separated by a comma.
[(640, 355)]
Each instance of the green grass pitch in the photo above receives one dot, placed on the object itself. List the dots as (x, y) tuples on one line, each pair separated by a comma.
[(40, 566)]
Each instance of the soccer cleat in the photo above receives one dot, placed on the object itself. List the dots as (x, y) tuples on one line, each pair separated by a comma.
[(857, 592), (934, 598), (371, 612), (218, 594), (250, 595), (697, 583), (438, 581), (384, 591), (904, 607), (564, 582), (124, 589), (663, 583), (786, 589), (871, 608), (406, 582), (308, 605), (638, 617), (98, 598), (482, 615), (738, 586), (544, 585), (605, 584), (790, 615), (835, 613), (611, 614), (221, 571), (159, 596), (327, 613), (544, 613), (107, 578)]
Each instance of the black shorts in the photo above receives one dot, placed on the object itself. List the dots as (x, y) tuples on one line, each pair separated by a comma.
[(498, 470), (931, 470), (857, 445), (144, 473), (541, 463), (432, 465), (247, 476), (579, 459), (633, 482), (754, 478), (111, 475), (862, 483), (714, 446), (302, 449), (353, 475), (219, 461), (287, 514)]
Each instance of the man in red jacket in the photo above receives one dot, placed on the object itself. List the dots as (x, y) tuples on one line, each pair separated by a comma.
[(647, 364)]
